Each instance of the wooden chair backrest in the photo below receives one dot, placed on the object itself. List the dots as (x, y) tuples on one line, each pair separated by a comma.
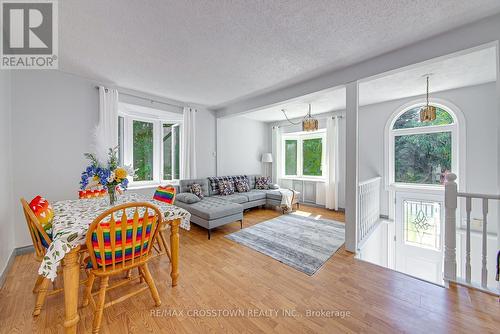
[(36, 230), (107, 250)]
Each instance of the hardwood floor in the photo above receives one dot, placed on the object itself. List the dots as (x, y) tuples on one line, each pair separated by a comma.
[(220, 276)]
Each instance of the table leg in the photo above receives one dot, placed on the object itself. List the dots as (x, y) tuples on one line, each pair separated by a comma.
[(71, 277), (174, 244)]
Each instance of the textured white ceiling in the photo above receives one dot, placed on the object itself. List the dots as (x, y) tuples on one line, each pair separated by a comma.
[(463, 70), (211, 52), (321, 102)]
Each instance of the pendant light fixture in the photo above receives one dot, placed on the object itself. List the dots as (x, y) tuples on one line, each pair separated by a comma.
[(427, 112), (309, 123)]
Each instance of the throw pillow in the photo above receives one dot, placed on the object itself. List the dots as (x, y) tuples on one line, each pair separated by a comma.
[(242, 186), (226, 187), (44, 213), (165, 194), (187, 198), (262, 182), (196, 189), (274, 186)]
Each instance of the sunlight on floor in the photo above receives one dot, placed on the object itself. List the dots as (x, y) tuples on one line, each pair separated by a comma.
[(301, 213), (305, 214)]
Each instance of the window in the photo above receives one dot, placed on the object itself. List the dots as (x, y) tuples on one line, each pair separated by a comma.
[(151, 146), (304, 154), (171, 151), (422, 152), (142, 146)]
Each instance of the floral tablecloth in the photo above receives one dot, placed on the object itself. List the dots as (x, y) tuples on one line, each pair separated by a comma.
[(73, 217)]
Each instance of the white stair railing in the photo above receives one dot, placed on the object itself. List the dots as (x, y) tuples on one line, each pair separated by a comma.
[(369, 207), (450, 262)]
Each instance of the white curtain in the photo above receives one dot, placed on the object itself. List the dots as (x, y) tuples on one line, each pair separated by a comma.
[(106, 135), (188, 161), (276, 151), (332, 157)]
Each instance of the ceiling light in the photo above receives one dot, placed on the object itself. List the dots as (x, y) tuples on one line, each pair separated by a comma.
[(309, 123), (427, 112)]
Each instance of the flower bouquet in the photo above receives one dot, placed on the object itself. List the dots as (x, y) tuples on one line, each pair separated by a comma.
[(109, 176)]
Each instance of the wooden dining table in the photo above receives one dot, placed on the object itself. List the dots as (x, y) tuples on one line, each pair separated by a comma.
[(71, 221)]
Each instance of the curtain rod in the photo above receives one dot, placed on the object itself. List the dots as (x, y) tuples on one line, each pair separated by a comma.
[(145, 99)]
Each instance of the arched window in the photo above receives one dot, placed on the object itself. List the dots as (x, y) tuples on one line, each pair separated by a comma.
[(421, 153)]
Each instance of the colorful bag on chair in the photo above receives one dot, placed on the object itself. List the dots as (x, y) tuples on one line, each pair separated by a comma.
[(165, 194)]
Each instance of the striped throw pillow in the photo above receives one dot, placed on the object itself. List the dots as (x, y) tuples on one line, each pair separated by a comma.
[(165, 194)]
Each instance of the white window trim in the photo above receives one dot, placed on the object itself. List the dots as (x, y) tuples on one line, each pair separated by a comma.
[(300, 137), (129, 116), (458, 149)]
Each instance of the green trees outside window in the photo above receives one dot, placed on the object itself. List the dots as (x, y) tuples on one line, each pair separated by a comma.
[(312, 150), (420, 157), (143, 150)]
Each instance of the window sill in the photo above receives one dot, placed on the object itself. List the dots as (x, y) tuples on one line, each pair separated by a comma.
[(310, 179), (151, 185), (417, 187)]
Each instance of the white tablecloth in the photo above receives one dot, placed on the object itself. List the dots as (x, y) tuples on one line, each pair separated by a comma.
[(73, 217)]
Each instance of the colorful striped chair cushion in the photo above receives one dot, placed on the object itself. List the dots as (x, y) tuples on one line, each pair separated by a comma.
[(165, 194), (129, 247)]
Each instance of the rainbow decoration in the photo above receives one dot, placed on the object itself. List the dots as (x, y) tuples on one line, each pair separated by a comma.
[(165, 194), (118, 241), (92, 193)]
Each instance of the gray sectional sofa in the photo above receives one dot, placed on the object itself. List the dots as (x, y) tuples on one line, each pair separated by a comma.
[(215, 210)]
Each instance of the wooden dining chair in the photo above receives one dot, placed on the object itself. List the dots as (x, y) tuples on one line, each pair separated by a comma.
[(117, 245), (41, 241)]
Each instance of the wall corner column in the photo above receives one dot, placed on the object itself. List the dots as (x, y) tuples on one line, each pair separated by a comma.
[(351, 177)]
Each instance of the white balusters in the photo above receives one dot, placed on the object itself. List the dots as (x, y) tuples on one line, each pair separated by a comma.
[(369, 207), (468, 208), (450, 233), (484, 270), (450, 263)]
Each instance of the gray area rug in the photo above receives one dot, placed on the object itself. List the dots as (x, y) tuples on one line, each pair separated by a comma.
[(303, 243)]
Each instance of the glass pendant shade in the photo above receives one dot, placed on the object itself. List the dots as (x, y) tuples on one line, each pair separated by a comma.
[(310, 124)]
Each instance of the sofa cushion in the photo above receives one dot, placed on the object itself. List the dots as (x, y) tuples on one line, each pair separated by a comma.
[(185, 185), (251, 181), (196, 189), (242, 186), (214, 183), (226, 187), (234, 198), (271, 194), (254, 195), (262, 182), (210, 208), (187, 198)]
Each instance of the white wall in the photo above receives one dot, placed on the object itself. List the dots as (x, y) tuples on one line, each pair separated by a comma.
[(479, 106), (6, 199), (240, 144), (376, 247), (205, 143), (53, 117)]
